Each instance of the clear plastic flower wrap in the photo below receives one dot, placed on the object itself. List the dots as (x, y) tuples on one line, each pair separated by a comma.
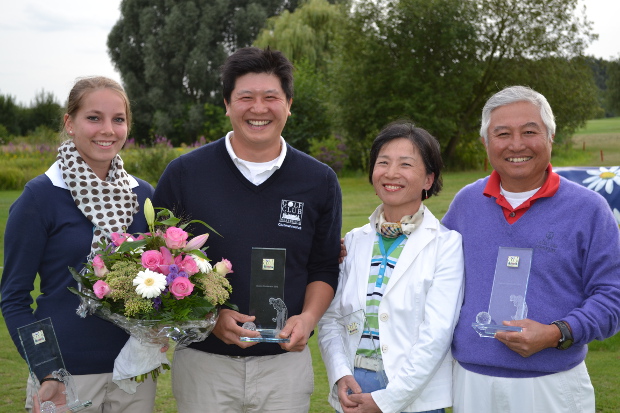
[(183, 333)]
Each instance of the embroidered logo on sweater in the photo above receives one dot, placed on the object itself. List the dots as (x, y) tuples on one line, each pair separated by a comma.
[(291, 213), (547, 243)]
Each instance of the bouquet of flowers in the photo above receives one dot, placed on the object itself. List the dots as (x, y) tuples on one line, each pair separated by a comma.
[(156, 286)]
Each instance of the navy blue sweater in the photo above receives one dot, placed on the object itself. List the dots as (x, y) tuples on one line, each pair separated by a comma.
[(45, 234), (297, 208)]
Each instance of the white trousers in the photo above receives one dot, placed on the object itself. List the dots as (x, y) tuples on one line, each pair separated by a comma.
[(569, 391)]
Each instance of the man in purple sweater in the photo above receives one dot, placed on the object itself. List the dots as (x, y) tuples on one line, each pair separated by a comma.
[(573, 293)]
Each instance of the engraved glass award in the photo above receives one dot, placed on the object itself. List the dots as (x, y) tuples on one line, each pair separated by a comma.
[(43, 354), (267, 295), (512, 272)]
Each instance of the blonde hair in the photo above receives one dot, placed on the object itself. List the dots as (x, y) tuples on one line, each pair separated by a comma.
[(86, 85)]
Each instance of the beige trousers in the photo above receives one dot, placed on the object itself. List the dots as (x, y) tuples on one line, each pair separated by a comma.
[(204, 382), (106, 396)]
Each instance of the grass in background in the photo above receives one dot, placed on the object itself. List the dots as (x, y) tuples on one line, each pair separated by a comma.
[(599, 138)]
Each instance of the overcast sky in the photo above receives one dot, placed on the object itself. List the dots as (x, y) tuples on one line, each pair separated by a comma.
[(47, 44)]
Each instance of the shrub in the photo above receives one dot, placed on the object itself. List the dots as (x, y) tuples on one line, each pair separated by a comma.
[(149, 163), (331, 151), (11, 178)]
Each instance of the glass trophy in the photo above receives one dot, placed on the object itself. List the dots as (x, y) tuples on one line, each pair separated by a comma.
[(42, 353), (267, 295), (512, 272)]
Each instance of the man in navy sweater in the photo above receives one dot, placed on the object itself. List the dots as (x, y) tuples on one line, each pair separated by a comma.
[(573, 292), (257, 191)]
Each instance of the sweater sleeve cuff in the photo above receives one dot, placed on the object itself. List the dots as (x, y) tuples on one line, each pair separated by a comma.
[(575, 327)]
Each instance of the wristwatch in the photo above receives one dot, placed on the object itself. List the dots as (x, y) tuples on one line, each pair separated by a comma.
[(567, 337)]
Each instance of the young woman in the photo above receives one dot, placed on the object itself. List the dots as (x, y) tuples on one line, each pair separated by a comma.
[(386, 336), (56, 223)]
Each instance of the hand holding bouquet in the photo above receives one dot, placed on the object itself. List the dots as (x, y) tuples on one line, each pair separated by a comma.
[(156, 285)]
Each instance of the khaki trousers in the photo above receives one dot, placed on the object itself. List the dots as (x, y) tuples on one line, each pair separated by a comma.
[(106, 395), (204, 382)]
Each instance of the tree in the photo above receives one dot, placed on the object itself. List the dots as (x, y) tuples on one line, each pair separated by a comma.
[(521, 29), (306, 34), (573, 105), (437, 61), (169, 53), (408, 59), (306, 37), (9, 115), (44, 111), (613, 85), (310, 117)]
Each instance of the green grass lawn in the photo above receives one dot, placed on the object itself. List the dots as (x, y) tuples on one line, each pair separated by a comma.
[(596, 126), (359, 201)]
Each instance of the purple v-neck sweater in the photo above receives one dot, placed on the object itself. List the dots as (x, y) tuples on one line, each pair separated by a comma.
[(575, 274)]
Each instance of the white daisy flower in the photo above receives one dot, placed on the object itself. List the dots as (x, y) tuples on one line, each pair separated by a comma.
[(149, 284), (603, 177), (203, 265)]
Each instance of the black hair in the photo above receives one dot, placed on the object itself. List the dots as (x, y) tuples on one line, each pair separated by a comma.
[(254, 60), (427, 145)]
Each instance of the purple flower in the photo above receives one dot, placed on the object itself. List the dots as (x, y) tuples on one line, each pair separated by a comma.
[(157, 303), (170, 277)]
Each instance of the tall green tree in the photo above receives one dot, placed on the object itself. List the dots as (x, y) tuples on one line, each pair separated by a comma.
[(169, 53), (306, 36), (44, 111), (9, 115), (408, 59), (573, 105), (613, 85), (437, 61)]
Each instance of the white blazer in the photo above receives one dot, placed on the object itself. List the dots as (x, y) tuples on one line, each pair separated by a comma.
[(417, 315)]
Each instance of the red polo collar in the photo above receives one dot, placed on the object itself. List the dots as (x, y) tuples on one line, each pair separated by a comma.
[(547, 190)]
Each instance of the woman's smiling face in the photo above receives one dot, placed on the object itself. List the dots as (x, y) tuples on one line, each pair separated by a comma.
[(399, 177), (99, 128)]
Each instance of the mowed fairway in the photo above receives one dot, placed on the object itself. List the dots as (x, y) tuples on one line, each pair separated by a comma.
[(359, 201)]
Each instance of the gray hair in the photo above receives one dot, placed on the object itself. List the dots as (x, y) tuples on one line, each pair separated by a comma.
[(515, 94)]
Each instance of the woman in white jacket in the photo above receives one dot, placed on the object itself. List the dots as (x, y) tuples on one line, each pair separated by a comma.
[(385, 338)]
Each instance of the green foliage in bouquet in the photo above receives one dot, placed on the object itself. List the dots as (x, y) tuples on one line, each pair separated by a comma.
[(158, 275)]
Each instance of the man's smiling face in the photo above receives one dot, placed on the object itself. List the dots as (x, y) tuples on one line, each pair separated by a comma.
[(518, 147), (258, 110)]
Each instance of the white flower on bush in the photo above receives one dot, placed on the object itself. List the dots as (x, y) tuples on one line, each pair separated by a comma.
[(203, 264), (149, 284), (603, 177)]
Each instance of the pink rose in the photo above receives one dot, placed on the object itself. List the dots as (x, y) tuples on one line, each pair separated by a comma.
[(99, 266), (181, 287), (101, 289), (152, 259), (189, 265), (223, 267), (175, 238)]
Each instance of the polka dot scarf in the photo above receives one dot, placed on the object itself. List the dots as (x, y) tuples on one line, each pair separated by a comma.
[(109, 205)]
